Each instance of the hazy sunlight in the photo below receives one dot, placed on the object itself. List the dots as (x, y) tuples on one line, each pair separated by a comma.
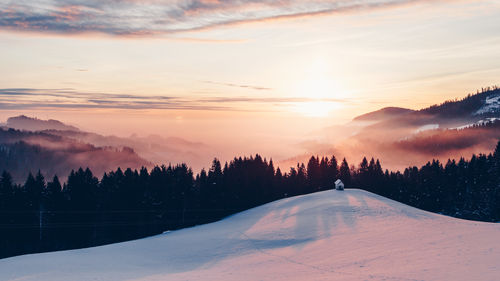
[(321, 88), (315, 108)]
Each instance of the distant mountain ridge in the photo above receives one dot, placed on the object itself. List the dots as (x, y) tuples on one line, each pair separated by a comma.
[(382, 114), (23, 122), (25, 151), (482, 104), (154, 148), (449, 114), (55, 139)]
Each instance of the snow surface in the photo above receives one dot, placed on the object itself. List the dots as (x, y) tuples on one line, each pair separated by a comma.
[(492, 104), (480, 122), (331, 235), (427, 128)]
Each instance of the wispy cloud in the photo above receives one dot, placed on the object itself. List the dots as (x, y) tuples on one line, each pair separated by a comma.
[(151, 17), (252, 87), (28, 98)]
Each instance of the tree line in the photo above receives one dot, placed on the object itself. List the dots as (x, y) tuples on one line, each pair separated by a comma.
[(467, 105), (85, 211)]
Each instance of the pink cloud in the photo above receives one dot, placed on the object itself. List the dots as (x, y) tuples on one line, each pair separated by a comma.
[(153, 17)]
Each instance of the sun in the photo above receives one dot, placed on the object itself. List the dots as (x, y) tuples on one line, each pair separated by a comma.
[(319, 91), (320, 96)]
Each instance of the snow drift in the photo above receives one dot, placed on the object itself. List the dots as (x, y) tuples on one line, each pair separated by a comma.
[(331, 235)]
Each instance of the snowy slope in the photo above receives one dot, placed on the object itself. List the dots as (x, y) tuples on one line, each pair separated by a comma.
[(492, 104), (332, 235)]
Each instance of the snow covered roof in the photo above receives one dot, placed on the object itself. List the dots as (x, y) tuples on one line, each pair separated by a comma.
[(338, 181)]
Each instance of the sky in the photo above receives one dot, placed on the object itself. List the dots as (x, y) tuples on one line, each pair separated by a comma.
[(243, 76)]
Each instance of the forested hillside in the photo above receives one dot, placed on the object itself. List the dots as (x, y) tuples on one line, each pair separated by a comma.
[(22, 152)]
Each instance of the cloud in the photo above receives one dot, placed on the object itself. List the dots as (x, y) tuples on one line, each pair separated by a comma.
[(29, 98), (258, 88), (153, 17)]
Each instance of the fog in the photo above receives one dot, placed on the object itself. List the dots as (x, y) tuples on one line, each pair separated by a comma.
[(398, 137)]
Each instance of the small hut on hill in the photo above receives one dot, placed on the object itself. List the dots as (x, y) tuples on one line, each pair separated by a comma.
[(339, 185)]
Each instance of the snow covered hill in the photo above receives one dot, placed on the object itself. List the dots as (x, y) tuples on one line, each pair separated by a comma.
[(491, 105), (331, 235)]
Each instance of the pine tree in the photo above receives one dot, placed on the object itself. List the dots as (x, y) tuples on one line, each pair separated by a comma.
[(33, 190), (6, 190), (495, 182), (215, 172), (345, 173), (333, 171), (313, 173)]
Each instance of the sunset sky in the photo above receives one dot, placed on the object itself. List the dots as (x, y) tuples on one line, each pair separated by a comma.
[(234, 72)]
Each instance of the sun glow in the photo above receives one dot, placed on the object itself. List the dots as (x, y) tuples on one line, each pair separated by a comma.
[(315, 108), (321, 90)]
